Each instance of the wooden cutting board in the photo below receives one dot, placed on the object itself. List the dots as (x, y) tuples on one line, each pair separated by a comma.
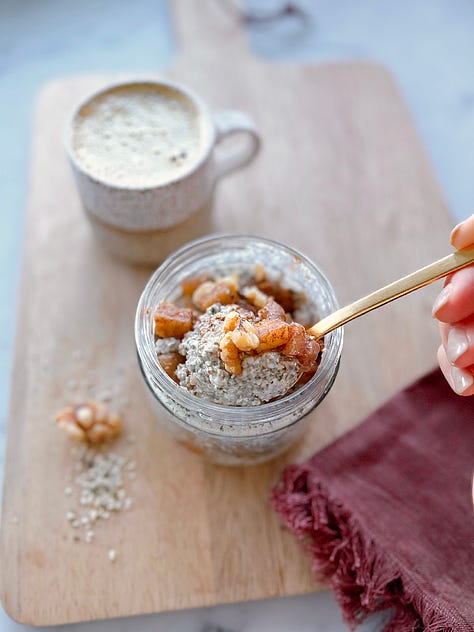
[(343, 177)]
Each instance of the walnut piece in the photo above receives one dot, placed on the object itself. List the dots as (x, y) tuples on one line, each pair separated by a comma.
[(254, 296), (172, 321), (230, 354), (244, 336), (230, 321), (242, 331), (89, 421)]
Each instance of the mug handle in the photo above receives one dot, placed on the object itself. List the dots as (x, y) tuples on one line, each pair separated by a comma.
[(229, 123)]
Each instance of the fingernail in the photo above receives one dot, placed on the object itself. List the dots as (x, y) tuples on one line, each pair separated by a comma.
[(458, 227), (455, 231), (441, 299), (459, 239), (461, 379), (457, 343)]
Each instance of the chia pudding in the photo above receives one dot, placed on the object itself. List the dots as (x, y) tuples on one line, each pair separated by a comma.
[(222, 345), (230, 341), (264, 376)]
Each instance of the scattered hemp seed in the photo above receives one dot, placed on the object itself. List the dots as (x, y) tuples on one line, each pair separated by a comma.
[(88, 536), (98, 489)]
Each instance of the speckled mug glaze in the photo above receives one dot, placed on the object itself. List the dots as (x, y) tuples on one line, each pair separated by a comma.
[(145, 224)]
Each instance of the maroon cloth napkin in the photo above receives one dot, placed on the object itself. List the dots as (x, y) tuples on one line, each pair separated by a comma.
[(386, 511)]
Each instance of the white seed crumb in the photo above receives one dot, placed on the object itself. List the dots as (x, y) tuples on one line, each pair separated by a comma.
[(101, 489), (93, 515), (88, 536), (112, 555), (68, 490)]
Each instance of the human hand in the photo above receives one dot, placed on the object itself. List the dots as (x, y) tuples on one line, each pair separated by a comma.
[(454, 308)]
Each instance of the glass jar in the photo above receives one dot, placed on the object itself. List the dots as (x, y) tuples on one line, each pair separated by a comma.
[(234, 435)]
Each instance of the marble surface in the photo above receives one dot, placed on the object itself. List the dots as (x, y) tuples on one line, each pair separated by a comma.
[(429, 47)]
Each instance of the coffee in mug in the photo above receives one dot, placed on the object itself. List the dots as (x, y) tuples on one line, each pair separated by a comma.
[(138, 136), (143, 157)]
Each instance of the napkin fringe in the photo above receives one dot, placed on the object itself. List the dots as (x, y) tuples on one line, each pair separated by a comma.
[(363, 577)]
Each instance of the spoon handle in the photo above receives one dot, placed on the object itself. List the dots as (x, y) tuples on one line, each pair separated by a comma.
[(403, 286)]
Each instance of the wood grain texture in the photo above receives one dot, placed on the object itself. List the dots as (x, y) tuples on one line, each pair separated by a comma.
[(341, 176)]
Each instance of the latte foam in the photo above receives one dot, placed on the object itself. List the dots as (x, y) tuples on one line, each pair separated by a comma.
[(138, 135)]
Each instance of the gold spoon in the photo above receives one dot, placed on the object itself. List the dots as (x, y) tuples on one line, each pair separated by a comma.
[(409, 283)]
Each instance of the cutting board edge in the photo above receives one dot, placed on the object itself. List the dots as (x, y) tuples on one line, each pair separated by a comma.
[(23, 617)]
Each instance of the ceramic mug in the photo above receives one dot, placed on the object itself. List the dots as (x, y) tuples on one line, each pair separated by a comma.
[(139, 213)]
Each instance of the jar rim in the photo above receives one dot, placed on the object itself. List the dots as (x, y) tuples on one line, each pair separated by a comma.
[(231, 418)]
